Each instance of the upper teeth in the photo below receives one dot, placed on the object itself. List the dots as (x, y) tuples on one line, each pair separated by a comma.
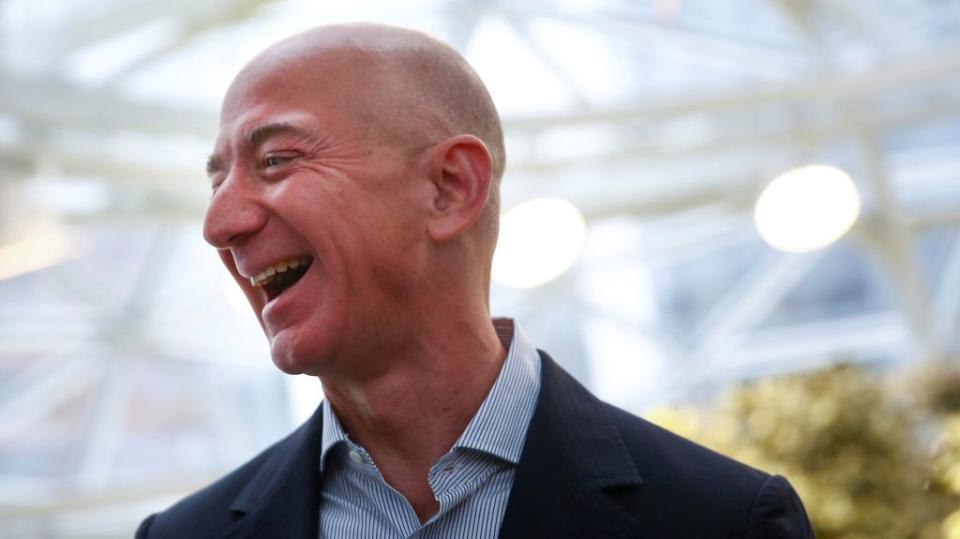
[(268, 273)]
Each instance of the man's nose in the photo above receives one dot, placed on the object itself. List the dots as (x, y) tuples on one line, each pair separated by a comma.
[(234, 214)]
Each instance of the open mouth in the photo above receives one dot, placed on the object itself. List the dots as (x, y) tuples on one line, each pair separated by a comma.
[(276, 279)]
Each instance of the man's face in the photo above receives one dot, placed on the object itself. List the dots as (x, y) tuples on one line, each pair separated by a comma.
[(318, 225)]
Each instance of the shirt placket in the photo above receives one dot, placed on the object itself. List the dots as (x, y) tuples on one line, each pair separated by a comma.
[(454, 478), (399, 513)]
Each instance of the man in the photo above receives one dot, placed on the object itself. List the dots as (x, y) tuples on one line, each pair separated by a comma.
[(355, 201)]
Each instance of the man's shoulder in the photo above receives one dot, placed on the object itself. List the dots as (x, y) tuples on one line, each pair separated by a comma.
[(210, 511), (670, 486), (661, 458), (668, 459), (696, 487)]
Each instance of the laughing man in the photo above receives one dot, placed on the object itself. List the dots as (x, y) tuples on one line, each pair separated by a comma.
[(356, 201)]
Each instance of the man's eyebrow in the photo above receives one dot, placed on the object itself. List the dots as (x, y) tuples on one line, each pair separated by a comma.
[(261, 133), (255, 137), (214, 164)]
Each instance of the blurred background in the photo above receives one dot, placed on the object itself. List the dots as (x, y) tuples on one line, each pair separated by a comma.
[(740, 219)]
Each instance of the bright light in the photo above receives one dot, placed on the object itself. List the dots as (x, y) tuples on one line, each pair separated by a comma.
[(539, 241), (235, 296), (304, 394), (807, 208), (46, 246)]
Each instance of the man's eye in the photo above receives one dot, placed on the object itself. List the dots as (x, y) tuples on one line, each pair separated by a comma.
[(272, 161)]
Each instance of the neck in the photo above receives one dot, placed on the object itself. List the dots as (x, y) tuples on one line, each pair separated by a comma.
[(411, 413)]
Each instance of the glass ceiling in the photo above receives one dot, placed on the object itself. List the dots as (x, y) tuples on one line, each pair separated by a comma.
[(130, 375)]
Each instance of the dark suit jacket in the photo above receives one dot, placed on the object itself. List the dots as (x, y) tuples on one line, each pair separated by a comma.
[(588, 470)]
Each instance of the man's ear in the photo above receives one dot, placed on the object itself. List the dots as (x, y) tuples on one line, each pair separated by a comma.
[(460, 169)]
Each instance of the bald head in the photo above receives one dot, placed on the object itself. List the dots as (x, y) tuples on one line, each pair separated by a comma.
[(400, 87), (407, 87)]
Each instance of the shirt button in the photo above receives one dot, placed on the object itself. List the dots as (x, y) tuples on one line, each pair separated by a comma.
[(356, 457)]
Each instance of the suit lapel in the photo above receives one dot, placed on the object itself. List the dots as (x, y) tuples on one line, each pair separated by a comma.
[(573, 452), (283, 499)]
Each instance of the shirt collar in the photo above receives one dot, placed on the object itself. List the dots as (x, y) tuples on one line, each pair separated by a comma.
[(332, 433), (500, 424)]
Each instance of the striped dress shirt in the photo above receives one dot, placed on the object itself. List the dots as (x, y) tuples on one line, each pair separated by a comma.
[(471, 482)]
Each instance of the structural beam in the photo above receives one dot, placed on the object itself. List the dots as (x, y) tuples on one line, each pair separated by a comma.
[(751, 299), (946, 301), (193, 23), (42, 390), (894, 242), (48, 103), (922, 73)]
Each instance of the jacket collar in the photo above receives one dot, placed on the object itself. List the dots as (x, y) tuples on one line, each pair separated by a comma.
[(573, 453), (283, 497)]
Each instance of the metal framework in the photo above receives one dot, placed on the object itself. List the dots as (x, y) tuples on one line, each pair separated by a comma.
[(131, 339)]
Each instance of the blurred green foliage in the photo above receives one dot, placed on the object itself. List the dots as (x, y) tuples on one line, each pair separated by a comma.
[(872, 456)]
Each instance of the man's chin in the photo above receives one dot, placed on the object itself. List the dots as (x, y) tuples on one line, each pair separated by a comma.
[(290, 363), (289, 367), (294, 360)]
